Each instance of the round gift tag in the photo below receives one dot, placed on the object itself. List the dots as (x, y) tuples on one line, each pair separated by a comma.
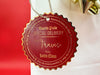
[(49, 42)]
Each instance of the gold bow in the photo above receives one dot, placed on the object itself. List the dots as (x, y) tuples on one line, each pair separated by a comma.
[(91, 6)]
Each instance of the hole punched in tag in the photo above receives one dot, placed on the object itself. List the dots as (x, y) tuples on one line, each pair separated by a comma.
[(47, 19)]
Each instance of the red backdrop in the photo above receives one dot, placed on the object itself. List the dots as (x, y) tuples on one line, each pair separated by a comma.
[(14, 14)]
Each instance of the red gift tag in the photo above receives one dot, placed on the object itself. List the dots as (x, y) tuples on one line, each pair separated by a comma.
[(50, 42)]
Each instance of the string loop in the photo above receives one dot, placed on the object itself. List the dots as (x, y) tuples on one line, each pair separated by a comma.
[(38, 12)]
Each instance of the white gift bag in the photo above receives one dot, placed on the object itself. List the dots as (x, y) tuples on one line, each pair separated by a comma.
[(87, 57)]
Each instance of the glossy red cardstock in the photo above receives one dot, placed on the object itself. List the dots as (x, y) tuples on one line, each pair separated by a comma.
[(50, 42)]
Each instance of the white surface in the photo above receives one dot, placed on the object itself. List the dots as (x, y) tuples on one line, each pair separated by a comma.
[(87, 57)]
